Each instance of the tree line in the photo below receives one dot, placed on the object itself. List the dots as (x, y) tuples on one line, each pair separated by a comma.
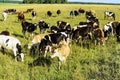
[(45, 1)]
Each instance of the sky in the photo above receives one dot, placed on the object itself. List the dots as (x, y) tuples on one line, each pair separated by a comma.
[(100, 1)]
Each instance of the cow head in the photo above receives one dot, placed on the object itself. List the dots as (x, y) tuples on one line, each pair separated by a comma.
[(54, 52)]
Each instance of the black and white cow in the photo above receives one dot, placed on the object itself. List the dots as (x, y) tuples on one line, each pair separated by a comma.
[(64, 27), (109, 14), (74, 13), (13, 44), (50, 39), (82, 31), (43, 26), (54, 29), (29, 27), (110, 27), (33, 14)]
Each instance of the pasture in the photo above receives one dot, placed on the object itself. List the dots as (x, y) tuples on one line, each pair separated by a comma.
[(86, 62)]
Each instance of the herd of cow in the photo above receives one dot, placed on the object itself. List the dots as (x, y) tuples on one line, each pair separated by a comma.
[(57, 41)]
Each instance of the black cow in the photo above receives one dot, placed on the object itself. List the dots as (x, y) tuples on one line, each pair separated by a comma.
[(118, 32), (81, 11), (43, 26), (7, 33), (58, 12), (109, 14), (49, 13), (29, 27), (33, 14)]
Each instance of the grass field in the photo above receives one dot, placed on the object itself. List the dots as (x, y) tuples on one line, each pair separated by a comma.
[(84, 63)]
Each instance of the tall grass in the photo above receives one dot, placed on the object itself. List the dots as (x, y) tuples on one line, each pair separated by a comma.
[(87, 62)]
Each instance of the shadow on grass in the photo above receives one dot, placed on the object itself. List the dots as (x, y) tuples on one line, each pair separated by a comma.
[(1, 20), (18, 35), (40, 61)]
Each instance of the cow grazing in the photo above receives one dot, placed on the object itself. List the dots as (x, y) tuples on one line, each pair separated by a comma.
[(110, 27), (49, 13), (54, 29), (81, 11), (93, 12), (63, 25), (4, 15), (33, 14), (62, 52), (98, 35), (29, 27), (51, 39), (82, 31), (58, 12), (7, 33), (13, 44), (29, 10), (88, 14), (10, 10), (43, 26), (74, 13), (21, 16), (109, 14)]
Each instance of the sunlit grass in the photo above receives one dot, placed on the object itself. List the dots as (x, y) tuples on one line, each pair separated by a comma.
[(84, 63)]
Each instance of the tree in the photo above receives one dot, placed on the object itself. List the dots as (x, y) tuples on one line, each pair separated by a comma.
[(58, 1), (52, 1)]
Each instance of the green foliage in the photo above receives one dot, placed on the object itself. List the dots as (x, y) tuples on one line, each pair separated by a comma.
[(45, 1)]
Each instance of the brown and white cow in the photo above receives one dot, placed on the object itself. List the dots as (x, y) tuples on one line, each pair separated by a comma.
[(36, 39), (62, 52), (21, 16), (98, 36)]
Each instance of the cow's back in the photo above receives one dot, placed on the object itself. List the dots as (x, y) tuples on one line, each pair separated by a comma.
[(8, 42)]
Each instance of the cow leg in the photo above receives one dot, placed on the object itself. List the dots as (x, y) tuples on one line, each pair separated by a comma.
[(2, 49), (15, 54), (95, 42), (22, 56), (59, 64)]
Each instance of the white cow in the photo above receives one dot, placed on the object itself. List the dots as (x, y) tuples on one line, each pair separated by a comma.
[(4, 14), (13, 44)]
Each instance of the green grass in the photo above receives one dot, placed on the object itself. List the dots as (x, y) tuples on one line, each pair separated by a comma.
[(84, 63)]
